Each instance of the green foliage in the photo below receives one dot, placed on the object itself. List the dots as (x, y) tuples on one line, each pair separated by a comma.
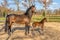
[(4, 14), (2, 18), (43, 14)]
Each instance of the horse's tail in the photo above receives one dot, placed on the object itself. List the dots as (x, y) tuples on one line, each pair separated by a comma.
[(6, 24)]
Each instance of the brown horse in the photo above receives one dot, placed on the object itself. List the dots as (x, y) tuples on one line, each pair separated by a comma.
[(20, 19), (39, 24)]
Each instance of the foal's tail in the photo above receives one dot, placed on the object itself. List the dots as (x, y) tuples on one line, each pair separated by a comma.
[(6, 24)]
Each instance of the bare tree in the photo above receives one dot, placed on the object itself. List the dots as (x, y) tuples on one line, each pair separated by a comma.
[(45, 4), (17, 3), (5, 3), (25, 4), (31, 2)]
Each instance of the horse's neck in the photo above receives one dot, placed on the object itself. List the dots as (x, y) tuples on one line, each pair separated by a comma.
[(29, 14)]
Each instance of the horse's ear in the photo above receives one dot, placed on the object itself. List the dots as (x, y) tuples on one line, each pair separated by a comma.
[(33, 5)]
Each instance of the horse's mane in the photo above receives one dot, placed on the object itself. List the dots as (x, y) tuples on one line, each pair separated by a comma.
[(26, 13)]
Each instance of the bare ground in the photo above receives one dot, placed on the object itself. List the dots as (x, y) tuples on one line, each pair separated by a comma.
[(51, 32)]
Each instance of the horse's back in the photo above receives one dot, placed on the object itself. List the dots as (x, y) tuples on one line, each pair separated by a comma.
[(18, 18)]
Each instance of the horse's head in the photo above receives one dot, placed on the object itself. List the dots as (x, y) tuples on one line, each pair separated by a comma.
[(33, 8), (30, 11)]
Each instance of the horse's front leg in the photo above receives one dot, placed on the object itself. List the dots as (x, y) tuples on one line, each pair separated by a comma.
[(27, 29)]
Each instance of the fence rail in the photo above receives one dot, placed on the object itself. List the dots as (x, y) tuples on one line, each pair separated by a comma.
[(51, 18)]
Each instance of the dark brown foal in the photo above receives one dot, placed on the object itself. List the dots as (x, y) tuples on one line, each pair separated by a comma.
[(39, 24)]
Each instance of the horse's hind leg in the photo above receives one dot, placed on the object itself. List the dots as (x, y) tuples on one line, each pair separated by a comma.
[(6, 28), (9, 28)]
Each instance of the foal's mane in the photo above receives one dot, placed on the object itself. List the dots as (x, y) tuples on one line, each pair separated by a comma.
[(42, 20)]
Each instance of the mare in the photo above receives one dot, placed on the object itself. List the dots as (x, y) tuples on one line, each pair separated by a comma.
[(20, 19)]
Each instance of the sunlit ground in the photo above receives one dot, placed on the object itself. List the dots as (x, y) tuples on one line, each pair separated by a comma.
[(51, 32)]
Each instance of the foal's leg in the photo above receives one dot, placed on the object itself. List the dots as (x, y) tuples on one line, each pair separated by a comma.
[(42, 32), (39, 29), (42, 27)]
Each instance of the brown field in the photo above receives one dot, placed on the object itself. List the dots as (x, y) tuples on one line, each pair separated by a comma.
[(51, 32)]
